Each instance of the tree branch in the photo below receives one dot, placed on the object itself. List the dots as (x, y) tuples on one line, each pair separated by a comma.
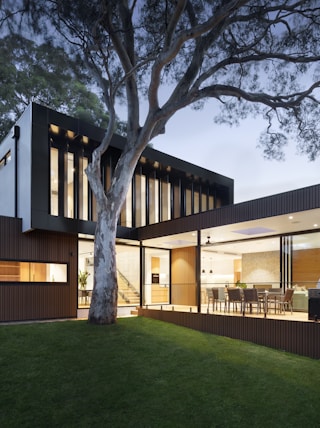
[(126, 54), (180, 7), (278, 101), (170, 52)]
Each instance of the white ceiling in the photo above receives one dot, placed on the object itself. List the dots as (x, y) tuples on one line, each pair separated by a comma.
[(228, 238)]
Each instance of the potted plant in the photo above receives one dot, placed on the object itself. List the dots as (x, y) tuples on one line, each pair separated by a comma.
[(241, 284), (82, 278)]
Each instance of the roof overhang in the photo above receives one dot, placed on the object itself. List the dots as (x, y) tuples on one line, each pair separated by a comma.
[(287, 213)]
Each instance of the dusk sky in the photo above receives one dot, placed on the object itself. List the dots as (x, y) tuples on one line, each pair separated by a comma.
[(194, 137)]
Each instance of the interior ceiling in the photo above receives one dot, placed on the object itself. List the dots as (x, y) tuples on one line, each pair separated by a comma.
[(244, 237)]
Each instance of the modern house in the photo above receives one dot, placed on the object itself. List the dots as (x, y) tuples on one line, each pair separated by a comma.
[(179, 231)]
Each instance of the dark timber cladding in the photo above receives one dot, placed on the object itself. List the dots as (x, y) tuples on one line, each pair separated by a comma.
[(28, 300), (302, 338), (283, 203)]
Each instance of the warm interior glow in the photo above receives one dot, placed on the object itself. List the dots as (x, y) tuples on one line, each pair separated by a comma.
[(70, 134), (54, 129)]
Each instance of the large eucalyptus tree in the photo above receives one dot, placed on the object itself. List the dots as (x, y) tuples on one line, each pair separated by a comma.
[(252, 57), (45, 74)]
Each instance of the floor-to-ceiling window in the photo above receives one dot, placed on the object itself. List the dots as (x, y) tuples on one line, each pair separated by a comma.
[(254, 263), (128, 273), (157, 276), (165, 199), (140, 200), (196, 199), (291, 261), (126, 211), (188, 200), (305, 267), (69, 185), (153, 196), (83, 189), (54, 181)]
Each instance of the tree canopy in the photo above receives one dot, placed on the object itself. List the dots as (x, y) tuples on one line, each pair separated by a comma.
[(251, 57), (45, 74)]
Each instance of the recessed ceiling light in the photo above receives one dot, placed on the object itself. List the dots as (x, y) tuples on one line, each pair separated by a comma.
[(315, 225), (290, 217)]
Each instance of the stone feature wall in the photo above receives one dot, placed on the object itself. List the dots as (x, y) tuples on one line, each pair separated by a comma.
[(261, 268)]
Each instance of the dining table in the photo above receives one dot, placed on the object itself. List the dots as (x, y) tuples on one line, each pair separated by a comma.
[(266, 296)]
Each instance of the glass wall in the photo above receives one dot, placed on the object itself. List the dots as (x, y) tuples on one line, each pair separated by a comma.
[(305, 267), (286, 262), (83, 189), (69, 185), (153, 193), (253, 263), (128, 273), (157, 276), (140, 200), (196, 199), (165, 200), (203, 201), (176, 200), (54, 181), (306, 260), (188, 200), (126, 212), (210, 202)]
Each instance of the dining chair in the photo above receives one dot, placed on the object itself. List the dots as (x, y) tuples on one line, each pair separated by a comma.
[(251, 298), (210, 298), (218, 297), (234, 297), (273, 298), (286, 301)]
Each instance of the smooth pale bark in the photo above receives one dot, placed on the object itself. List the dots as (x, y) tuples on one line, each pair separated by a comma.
[(103, 308)]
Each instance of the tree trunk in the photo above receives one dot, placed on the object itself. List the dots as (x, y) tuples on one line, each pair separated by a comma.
[(103, 308)]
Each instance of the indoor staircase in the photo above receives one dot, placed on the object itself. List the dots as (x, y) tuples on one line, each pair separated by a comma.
[(127, 293)]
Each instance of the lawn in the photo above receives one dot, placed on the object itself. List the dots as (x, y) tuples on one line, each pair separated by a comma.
[(146, 373)]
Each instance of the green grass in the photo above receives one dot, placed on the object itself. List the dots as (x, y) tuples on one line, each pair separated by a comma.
[(145, 373)]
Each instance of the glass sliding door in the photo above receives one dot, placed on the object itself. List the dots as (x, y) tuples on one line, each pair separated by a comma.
[(128, 274), (157, 276)]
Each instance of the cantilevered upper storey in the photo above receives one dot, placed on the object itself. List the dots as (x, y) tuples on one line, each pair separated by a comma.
[(43, 180)]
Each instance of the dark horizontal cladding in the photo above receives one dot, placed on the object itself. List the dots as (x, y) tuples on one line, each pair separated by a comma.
[(284, 203)]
